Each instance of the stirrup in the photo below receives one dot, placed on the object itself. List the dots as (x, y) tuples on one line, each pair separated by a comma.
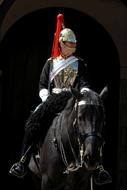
[(102, 177), (18, 170)]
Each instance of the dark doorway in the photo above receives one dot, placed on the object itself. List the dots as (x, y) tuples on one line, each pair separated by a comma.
[(25, 48)]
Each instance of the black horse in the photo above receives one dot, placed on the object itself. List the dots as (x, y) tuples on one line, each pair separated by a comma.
[(71, 151)]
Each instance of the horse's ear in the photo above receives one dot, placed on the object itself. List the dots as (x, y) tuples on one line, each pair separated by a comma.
[(76, 93), (104, 93)]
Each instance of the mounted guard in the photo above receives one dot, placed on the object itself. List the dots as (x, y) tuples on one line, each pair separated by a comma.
[(61, 71)]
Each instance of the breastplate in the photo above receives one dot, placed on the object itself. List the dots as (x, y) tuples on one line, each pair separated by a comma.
[(66, 77)]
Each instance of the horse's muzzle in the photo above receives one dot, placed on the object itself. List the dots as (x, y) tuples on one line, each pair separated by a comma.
[(90, 163)]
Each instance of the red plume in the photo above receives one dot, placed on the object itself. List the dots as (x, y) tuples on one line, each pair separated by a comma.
[(59, 27)]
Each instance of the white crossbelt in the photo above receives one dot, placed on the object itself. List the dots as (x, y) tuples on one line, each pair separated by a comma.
[(59, 65)]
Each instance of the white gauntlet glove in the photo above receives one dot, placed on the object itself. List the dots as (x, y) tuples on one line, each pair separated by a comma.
[(43, 94), (84, 89)]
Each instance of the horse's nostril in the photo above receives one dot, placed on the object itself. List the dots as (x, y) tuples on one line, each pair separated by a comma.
[(90, 162)]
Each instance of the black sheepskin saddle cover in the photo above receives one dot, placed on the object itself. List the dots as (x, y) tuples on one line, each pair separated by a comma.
[(40, 120)]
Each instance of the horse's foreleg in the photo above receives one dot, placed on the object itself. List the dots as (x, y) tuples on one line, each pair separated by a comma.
[(45, 183)]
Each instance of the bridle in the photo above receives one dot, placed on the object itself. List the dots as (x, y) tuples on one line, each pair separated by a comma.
[(83, 136), (79, 160)]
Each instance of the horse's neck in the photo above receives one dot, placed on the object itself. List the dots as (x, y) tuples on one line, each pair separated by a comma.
[(67, 120)]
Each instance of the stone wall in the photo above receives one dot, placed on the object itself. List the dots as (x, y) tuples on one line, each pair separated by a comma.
[(122, 148)]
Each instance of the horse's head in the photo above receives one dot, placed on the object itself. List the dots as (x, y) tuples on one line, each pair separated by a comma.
[(90, 123)]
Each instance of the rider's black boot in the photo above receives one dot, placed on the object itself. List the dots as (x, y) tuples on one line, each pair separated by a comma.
[(102, 176), (20, 168)]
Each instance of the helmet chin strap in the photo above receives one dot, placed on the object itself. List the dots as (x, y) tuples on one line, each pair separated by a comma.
[(64, 56)]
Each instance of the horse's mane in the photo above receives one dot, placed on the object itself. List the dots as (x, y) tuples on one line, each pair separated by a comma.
[(46, 112)]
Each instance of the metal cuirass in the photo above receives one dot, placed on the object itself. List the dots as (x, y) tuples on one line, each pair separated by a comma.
[(66, 77)]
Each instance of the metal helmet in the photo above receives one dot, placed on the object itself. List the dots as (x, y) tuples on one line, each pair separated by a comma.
[(67, 35)]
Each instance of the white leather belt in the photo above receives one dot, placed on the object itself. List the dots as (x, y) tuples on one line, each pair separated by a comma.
[(59, 90)]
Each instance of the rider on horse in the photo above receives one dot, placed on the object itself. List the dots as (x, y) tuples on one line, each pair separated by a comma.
[(62, 70)]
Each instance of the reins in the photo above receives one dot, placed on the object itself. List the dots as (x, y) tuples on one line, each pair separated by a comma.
[(69, 167)]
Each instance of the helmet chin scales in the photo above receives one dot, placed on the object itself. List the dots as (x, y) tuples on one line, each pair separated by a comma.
[(65, 50)]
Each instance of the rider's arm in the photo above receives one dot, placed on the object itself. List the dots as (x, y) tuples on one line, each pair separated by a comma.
[(44, 81), (82, 75)]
